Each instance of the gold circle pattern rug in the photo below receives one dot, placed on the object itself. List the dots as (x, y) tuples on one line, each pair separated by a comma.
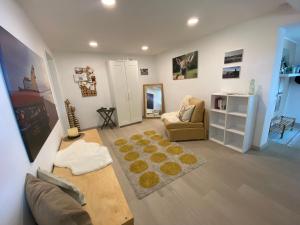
[(156, 137), (143, 142), (158, 157), (164, 143), (120, 142), (171, 168), (150, 148), (131, 156), (138, 166), (175, 150), (136, 137), (126, 148), (150, 161), (150, 132)]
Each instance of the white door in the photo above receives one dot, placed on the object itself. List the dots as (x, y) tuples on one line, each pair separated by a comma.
[(120, 91), (134, 90)]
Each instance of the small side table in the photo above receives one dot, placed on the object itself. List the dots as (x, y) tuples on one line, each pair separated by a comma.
[(106, 114)]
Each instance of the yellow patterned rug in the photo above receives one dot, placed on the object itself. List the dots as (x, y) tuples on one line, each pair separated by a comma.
[(150, 161)]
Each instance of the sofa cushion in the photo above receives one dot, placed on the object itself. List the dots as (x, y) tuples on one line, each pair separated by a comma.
[(198, 114), (50, 205), (182, 125), (185, 113), (63, 184)]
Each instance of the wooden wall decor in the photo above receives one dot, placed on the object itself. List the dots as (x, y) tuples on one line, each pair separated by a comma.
[(72, 119), (86, 80)]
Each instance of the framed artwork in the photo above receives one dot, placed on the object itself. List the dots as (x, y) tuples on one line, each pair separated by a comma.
[(234, 56), (231, 72), (86, 80), (185, 66), (144, 71), (29, 91)]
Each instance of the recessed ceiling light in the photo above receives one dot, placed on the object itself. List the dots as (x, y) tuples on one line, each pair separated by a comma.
[(192, 21), (93, 44), (145, 47), (109, 3)]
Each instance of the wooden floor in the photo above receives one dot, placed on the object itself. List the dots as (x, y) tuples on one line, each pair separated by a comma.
[(257, 188)]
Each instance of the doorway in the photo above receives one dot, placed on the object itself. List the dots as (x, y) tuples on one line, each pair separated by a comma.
[(285, 124)]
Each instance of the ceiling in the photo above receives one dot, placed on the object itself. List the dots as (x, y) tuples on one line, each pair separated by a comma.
[(68, 25)]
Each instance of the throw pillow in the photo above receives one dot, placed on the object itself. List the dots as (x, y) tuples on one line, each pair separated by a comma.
[(50, 205), (186, 112), (66, 186)]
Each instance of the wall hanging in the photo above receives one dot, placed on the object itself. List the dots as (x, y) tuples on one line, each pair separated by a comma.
[(29, 91), (234, 56), (231, 72), (144, 71), (86, 80), (185, 66)]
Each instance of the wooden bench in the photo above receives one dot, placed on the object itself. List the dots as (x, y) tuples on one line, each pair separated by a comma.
[(106, 203)]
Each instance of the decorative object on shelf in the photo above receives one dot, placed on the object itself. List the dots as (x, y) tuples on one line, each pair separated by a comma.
[(252, 87), (106, 114), (220, 103), (185, 66), (234, 56), (231, 72), (144, 71), (73, 133), (72, 119), (86, 80), (29, 91)]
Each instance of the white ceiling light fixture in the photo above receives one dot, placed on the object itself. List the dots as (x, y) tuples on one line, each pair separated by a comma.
[(93, 44), (109, 3), (145, 47), (192, 21)]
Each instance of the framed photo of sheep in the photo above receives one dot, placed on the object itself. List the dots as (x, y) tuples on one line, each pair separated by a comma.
[(185, 66)]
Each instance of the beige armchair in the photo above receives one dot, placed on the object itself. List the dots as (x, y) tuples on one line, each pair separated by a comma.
[(196, 129)]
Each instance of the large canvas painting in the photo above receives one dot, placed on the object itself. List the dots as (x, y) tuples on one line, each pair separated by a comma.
[(185, 66), (29, 91)]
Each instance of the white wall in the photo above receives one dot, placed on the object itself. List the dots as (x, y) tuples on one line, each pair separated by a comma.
[(86, 106), (259, 39), (14, 163)]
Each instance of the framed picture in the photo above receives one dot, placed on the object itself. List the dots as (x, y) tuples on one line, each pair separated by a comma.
[(185, 66), (231, 72), (29, 91), (234, 56), (144, 71)]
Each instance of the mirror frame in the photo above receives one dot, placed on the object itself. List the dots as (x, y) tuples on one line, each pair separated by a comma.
[(162, 100)]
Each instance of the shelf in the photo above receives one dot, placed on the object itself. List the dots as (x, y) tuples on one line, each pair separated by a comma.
[(234, 148), (289, 75), (217, 134), (218, 111), (238, 114), (217, 126), (216, 140), (236, 131)]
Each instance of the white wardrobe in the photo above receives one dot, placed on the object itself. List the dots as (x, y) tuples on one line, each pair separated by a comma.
[(125, 90)]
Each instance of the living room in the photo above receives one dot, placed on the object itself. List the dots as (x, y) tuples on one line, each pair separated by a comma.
[(199, 151)]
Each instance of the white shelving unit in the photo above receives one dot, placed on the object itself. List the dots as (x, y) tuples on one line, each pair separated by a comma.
[(233, 124)]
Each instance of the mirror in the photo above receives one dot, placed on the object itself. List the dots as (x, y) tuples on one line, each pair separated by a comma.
[(153, 100)]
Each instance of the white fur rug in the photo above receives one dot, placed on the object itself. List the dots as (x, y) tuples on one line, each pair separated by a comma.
[(83, 157)]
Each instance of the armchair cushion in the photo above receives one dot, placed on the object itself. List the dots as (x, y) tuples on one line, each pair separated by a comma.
[(198, 114)]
